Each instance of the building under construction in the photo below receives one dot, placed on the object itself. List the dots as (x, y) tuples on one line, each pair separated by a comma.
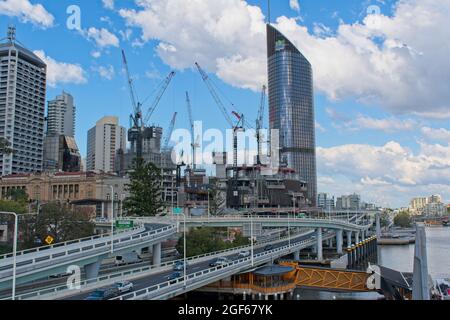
[(252, 189)]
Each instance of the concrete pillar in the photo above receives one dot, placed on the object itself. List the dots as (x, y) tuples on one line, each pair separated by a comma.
[(103, 209), (281, 296), (157, 254), (92, 270), (244, 296), (275, 296), (353, 255), (349, 257), (349, 238), (330, 243), (319, 244), (297, 255), (266, 297), (339, 241), (420, 272), (356, 237), (378, 224)]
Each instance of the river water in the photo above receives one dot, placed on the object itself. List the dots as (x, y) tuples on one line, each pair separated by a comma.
[(399, 258)]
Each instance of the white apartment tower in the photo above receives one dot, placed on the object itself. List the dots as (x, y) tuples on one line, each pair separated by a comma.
[(61, 116), (22, 107), (103, 142)]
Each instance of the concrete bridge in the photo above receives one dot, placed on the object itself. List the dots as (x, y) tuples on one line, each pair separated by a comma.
[(87, 252)]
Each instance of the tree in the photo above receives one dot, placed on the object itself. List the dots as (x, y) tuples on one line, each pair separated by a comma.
[(384, 219), (18, 195), (5, 147), (204, 240), (62, 223), (403, 219), (13, 206), (144, 189)]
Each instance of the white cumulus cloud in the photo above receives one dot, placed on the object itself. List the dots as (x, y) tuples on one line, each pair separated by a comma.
[(294, 5), (398, 62), (390, 172), (108, 4), (102, 37), (61, 72), (27, 12), (107, 72)]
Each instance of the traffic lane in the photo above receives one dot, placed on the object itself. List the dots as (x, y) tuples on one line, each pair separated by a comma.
[(158, 278)]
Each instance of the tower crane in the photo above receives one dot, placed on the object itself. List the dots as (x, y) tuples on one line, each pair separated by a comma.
[(169, 132), (259, 124), (240, 117), (194, 143), (137, 122)]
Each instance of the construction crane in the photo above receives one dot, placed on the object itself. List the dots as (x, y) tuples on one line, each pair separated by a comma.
[(160, 92), (240, 117), (137, 123), (194, 143), (259, 124), (135, 132), (169, 132)]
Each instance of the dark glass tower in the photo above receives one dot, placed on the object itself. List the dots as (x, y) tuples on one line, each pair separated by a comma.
[(291, 107)]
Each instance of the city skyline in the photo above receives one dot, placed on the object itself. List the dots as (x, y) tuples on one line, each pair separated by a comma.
[(361, 125)]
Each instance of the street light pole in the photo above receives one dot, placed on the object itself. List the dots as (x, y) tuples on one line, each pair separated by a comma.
[(184, 250), (16, 224), (251, 238)]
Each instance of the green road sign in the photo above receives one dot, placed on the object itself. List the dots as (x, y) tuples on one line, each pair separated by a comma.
[(124, 224), (177, 210)]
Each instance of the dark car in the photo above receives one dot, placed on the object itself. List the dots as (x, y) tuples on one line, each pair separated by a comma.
[(268, 247), (104, 294), (179, 266)]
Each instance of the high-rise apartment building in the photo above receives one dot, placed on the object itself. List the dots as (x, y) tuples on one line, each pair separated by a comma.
[(61, 116), (103, 142), (291, 107), (22, 107)]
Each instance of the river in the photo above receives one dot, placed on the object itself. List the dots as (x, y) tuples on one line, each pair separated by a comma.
[(399, 258)]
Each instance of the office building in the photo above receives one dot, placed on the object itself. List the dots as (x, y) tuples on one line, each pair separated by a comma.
[(104, 140), (325, 201), (349, 202), (291, 107), (61, 154), (61, 116), (22, 107)]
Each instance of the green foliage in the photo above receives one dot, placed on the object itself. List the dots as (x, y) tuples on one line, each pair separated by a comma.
[(18, 195), (403, 219), (205, 240), (5, 147), (145, 190), (384, 219), (4, 249), (13, 206), (57, 220)]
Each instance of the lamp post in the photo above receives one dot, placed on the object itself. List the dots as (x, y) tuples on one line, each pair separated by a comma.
[(14, 251), (112, 217), (251, 238)]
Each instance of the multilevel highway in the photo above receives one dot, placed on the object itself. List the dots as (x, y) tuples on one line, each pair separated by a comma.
[(45, 261)]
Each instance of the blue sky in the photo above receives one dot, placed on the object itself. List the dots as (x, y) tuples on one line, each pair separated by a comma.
[(369, 99)]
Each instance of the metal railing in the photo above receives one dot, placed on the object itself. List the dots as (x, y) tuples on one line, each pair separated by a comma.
[(194, 279), (136, 229), (145, 236), (143, 271)]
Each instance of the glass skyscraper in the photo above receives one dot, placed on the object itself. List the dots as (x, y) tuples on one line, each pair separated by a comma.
[(291, 107)]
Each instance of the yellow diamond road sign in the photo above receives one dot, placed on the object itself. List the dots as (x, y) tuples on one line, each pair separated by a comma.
[(49, 240)]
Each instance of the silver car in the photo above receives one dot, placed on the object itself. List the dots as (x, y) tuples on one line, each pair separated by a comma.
[(124, 286)]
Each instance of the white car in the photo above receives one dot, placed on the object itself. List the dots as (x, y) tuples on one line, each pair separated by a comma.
[(244, 254), (124, 286)]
